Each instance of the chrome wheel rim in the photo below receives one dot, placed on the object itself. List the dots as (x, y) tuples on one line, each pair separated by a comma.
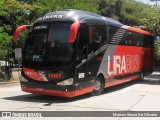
[(97, 85)]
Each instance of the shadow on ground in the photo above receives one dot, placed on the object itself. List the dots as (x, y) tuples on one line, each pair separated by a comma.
[(49, 100), (153, 79)]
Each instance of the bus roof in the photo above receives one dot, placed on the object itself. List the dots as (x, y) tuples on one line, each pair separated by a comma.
[(77, 16), (85, 17)]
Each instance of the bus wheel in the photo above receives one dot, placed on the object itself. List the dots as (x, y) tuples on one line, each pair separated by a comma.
[(98, 86), (141, 76)]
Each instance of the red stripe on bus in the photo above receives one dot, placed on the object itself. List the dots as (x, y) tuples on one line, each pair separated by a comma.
[(83, 91), (32, 74), (69, 94), (49, 92), (116, 82), (139, 31)]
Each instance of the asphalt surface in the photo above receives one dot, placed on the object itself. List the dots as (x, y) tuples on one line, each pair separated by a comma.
[(131, 96)]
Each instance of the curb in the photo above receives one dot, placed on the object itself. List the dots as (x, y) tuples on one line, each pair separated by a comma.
[(8, 82)]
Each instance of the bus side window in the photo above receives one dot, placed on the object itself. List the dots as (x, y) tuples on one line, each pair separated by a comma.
[(134, 39), (99, 34), (99, 37), (83, 43), (83, 37), (139, 39), (148, 41), (112, 32), (125, 38), (151, 42), (130, 39)]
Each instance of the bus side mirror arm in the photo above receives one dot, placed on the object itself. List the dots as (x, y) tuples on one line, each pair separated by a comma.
[(73, 31), (18, 30)]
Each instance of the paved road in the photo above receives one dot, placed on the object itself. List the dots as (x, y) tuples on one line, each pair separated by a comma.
[(132, 96)]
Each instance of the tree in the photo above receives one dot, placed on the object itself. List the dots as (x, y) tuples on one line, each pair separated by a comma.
[(151, 20), (155, 1), (110, 8), (12, 14), (53, 5)]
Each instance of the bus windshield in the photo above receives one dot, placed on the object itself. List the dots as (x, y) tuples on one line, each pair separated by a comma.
[(48, 45)]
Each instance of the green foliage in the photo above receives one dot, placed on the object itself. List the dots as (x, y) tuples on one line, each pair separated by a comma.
[(157, 51), (14, 13), (151, 20), (23, 35), (53, 5), (110, 8), (130, 13), (5, 75)]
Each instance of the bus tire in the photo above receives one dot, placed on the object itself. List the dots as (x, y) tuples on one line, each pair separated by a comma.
[(98, 86), (141, 76)]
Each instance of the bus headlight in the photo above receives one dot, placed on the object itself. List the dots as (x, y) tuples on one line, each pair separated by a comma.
[(66, 82), (23, 79)]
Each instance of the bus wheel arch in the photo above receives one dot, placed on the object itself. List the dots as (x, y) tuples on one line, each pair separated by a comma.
[(98, 85)]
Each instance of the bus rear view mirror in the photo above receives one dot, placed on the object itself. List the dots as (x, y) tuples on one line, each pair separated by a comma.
[(73, 31), (18, 30)]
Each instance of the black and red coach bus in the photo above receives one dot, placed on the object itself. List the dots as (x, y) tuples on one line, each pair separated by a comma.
[(72, 52)]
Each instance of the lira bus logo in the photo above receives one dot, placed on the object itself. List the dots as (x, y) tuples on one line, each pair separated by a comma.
[(122, 64)]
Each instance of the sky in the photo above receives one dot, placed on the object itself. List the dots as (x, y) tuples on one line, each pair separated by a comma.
[(148, 2)]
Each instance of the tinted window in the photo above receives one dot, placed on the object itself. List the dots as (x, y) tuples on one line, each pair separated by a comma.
[(84, 37), (112, 32), (132, 39), (91, 39), (151, 42), (138, 39), (99, 35), (49, 46), (148, 41), (97, 38), (59, 32), (129, 38), (82, 51), (115, 35)]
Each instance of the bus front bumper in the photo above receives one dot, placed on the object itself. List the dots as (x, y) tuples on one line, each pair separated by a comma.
[(54, 90), (43, 91), (47, 88)]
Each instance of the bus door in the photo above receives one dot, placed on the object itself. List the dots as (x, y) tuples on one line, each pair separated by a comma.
[(94, 45), (81, 78), (97, 41), (91, 39)]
